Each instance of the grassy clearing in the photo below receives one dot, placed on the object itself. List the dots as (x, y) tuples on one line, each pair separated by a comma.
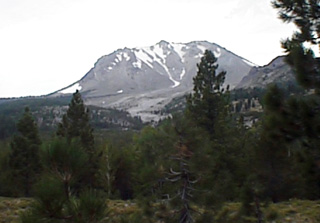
[(11, 207), (293, 211)]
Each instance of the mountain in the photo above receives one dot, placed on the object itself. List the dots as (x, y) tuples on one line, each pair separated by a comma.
[(143, 80), (277, 71)]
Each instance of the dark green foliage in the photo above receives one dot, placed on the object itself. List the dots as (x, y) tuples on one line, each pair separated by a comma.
[(50, 196), (207, 102), (67, 162), (90, 207), (58, 198), (291, 125), (28, 128), (7, 127), (53, 207), (63, 156), (118, 166), (208, 107), (123, 180), (6, 180), (307, 174), (250, 200), (291, 118), (179, 168), (152, 146), (24, 158), (75, 124), (286, 129)]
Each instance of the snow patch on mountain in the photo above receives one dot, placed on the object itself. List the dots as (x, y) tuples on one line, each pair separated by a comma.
[(158, 54), (126, 56), (182, 73), (137, 64), (202, 48), (159, 51), (144, 57), (179, 50), (175, 83), (249, 63), (119, 57), (152, 55), (217, 52)]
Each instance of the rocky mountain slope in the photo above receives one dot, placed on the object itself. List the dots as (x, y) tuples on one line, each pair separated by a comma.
[(277, 71), (143, 80)]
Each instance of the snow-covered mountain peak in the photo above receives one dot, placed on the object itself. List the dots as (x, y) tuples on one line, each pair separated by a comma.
[(142, 80)]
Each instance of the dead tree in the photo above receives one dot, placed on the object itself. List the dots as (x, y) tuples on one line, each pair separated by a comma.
[(183, 176)]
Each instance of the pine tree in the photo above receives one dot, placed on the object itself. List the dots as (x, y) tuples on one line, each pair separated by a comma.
[(289, 139), (57, 198), (24, 158), (75, 125), (207, 102), (66, 161), (208, 107), (300, 116)]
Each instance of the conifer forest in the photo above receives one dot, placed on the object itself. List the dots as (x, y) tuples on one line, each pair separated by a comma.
[(204, 163)]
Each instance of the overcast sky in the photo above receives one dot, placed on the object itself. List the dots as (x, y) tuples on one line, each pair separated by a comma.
[(46, 45)]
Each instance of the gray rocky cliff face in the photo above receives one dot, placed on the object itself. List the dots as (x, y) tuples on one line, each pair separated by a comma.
[(276, 71)]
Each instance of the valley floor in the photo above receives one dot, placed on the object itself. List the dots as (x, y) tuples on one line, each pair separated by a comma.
[(295, 211)]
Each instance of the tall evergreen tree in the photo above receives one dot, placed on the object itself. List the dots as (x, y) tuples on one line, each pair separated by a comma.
[(207, 102), (24, 158), (208, 107), (75, 125), (300, 122)]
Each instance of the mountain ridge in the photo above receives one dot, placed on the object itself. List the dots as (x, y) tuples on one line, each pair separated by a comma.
[(142, 80), (277, 71)]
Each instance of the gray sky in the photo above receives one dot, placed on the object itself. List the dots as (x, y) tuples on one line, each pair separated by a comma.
[(46, 45)]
